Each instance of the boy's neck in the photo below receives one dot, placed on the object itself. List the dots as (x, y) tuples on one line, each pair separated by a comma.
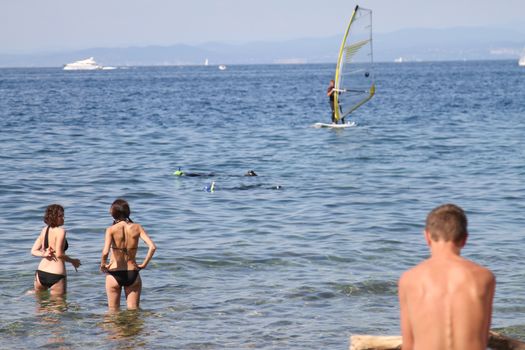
[(444, 249)]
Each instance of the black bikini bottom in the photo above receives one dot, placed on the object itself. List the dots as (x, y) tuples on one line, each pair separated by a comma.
[(125, 278), (48, 279)]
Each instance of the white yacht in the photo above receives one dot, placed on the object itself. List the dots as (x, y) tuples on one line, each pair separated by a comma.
[(87, 64), (521, 62), (222, 67)]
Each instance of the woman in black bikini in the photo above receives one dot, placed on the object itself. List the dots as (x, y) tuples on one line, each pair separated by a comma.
[(51, 245), (122, 238)]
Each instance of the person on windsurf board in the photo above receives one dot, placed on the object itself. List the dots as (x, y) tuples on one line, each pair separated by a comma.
[(330, 92)]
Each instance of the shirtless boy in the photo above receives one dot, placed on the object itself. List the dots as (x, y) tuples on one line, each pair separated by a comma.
[(446, 300)]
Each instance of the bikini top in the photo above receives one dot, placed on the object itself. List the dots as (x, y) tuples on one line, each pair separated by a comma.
[(46, 241), (124, 250)]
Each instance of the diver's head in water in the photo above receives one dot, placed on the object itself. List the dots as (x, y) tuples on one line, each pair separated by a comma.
[(250, 173)]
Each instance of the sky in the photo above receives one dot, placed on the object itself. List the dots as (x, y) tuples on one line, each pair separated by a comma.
[(49, 25)]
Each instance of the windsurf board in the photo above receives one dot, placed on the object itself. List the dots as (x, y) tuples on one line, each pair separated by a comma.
[(334, 126)]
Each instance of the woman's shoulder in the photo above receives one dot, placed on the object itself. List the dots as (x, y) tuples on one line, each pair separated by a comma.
[(134, 226), (111, 229), (59, 231)]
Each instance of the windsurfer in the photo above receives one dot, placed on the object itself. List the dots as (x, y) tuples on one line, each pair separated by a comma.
[(330, 93)]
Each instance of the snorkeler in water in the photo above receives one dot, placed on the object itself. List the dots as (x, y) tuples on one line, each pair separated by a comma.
[(179, 172), (211, 187)]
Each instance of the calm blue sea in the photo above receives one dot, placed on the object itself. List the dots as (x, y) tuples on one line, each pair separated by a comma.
[(300, 257)]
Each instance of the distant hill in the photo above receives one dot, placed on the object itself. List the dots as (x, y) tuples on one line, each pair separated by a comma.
[(450, 44), (411, 44)]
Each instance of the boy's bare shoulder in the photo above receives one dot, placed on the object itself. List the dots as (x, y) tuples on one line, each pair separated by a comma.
[(477, 274), (485, 274), (413, 273), (478, 269)]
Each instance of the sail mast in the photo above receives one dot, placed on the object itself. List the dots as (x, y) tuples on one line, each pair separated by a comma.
[(339, 66)]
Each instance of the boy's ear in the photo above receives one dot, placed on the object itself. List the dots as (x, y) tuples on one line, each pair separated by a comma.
[(462, 243), (428, 238)]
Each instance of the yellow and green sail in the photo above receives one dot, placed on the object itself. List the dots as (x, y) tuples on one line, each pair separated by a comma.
[(354, 76)]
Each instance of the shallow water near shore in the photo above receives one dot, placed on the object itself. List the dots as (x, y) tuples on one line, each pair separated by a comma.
[(299, 257)]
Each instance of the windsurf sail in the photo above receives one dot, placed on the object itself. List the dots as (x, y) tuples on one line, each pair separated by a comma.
[(354, 76)]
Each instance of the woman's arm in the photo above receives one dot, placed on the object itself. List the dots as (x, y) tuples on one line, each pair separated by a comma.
[(75, 262), (39, 252), (152, 247), (60, 254), (105, 252), (37, 248)]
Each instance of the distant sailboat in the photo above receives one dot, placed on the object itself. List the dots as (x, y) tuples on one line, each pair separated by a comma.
[(521, 61), (206, 62), (222, 67)]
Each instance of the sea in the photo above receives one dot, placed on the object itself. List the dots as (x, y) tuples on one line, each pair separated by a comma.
[(302, 256)]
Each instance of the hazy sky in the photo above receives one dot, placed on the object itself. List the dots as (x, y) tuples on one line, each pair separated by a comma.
[(41, 25)]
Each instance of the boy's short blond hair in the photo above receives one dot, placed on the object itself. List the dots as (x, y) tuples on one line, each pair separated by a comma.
[(447, 222)]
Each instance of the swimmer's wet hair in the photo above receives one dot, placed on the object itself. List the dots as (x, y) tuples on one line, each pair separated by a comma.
[(447, 222)]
